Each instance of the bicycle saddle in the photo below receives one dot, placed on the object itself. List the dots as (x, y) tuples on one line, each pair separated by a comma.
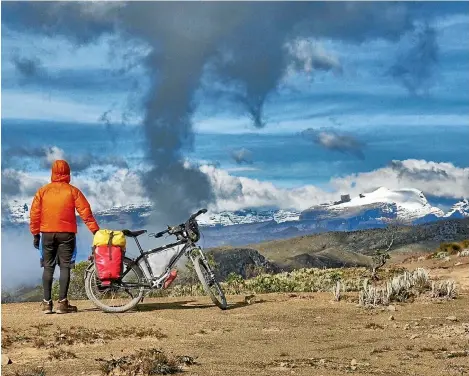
[(133, 234)]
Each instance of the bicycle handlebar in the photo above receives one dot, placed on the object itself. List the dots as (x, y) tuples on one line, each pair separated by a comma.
[(159, 234), (192, 217), (201, 211)]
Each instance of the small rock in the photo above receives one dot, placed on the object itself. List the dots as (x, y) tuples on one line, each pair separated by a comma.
[(392, 308), (414, 336), (458, 263), (6, 360), (452, 318), (391, 318), (354, 363), (396, 326), (322, 361), (406, 327), (457, 354)]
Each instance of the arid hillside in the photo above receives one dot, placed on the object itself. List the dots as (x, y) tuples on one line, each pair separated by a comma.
[(341, 249)]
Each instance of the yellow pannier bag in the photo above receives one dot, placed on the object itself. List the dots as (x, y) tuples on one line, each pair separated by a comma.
[(102, 238)]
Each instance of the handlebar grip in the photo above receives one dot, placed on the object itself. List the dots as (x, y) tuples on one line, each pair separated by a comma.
[(160, 234)]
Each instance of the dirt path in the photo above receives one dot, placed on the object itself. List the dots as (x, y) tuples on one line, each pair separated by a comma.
[(280, 334)]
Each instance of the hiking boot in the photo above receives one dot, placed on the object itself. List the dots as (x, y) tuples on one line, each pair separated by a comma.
[(46, 307), (65, 307)]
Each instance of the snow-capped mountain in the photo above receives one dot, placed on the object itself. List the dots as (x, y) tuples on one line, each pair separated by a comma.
[(459, 210), (403, 204), (247, 216)]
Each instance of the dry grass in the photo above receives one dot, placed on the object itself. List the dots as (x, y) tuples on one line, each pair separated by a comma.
[(147, 362), (7, 341), (46, 336), (11, 337), (61, 354), (26, 371), (449, 249), (380, 350), (81, 335), (405, 287)]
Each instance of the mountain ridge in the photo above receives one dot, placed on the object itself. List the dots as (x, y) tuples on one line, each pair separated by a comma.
[(372, 209)]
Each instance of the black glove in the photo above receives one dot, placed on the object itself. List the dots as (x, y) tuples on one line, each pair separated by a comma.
[(37, 239)]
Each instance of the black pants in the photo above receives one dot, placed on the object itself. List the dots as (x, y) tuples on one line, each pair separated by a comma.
[(57, 247)]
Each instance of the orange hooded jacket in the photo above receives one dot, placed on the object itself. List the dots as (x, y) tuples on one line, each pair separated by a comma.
[(53, 207)]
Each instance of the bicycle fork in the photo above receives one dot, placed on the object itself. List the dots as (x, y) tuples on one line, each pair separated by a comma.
[(205, 262)]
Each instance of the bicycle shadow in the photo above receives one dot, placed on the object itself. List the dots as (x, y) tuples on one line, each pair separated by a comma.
[(187, 304), (179, 305)]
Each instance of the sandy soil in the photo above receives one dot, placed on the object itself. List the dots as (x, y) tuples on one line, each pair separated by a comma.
[(304, 334)]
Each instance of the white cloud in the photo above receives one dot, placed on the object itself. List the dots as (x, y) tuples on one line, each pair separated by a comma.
[(309, 56), (119, 189), (54, 153), (435, 178), (233, 193)]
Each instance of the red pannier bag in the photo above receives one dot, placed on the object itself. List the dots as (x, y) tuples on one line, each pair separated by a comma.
[(108, 260)]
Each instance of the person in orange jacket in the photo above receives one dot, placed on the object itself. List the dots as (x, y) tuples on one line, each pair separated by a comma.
[(53, 215)]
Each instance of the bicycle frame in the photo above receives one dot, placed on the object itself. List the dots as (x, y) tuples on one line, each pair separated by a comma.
[(156, 281)]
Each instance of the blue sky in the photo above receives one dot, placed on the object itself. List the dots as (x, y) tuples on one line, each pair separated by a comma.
[(82, 84), (340, 84)]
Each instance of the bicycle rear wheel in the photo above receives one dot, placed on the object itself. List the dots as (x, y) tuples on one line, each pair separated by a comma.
[(210, 284), (120, 296)]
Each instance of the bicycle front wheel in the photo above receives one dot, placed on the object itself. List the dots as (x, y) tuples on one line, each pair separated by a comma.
[(120, 296), (209, 282)]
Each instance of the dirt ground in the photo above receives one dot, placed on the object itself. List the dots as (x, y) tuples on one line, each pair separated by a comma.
[(279, 334)]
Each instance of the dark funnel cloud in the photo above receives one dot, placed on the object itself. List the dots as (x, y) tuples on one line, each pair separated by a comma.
[(241, 46), (330, 139), (415, 65)]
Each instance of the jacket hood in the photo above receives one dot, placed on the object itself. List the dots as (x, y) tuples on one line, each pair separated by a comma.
[(60, 172)]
